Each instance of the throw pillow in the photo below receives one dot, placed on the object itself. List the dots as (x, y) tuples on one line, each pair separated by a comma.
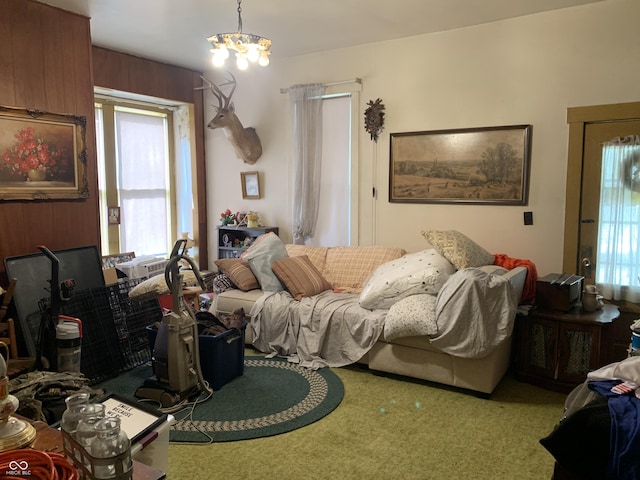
[(348, 267), (239, 273), (156, 286), (413, 273), (300, 277), (222, 283), (460, 250), (411, 316), (317, 255), (265, 250)]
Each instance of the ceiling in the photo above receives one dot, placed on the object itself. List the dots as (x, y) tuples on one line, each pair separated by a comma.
[(175, 32)]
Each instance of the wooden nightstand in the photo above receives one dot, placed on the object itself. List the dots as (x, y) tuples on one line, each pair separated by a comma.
[(556, 350)]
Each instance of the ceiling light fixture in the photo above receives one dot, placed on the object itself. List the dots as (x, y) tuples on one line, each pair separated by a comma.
[(248, 47)]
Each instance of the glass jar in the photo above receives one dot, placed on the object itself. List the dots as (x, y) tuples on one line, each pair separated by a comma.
[(112, 446), (90, 414), (71, 416)]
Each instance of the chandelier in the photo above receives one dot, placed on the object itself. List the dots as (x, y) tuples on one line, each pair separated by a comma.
[(248, 47)]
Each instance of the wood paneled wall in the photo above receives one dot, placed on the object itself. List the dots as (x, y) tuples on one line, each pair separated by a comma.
[(47, 63), (127, 73)]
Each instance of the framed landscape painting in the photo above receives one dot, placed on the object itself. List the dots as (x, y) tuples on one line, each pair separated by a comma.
[(487, 166), (42, 155)]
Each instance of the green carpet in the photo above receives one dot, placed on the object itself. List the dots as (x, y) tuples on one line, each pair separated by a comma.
[(270, 398), (389, 427)]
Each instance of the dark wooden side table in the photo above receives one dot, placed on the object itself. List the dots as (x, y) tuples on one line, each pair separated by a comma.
[(556, 350)]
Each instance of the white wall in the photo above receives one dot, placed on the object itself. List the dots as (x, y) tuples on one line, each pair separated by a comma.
[(527, 70)]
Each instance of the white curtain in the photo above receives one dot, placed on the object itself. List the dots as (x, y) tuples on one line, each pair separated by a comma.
[(143, 182), (183, 180), (618, 264), (306, 114)]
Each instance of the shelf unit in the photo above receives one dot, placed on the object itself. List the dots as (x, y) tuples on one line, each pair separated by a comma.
[(231, 238)]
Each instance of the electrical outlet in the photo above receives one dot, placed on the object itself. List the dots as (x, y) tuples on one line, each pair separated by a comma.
[(528, 218)]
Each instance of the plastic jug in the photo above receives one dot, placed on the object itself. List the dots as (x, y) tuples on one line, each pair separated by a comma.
[(69, 344)]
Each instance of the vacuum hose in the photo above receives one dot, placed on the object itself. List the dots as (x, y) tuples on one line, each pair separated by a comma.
[(173, 278)]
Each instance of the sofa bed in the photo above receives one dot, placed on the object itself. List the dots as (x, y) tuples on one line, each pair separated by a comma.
[(443, 314)]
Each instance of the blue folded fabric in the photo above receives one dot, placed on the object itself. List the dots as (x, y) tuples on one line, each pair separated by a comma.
[(625, 431)]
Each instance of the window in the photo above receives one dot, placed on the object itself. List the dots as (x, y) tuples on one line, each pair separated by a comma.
[(136, 173), (334, 211), (618, 267)]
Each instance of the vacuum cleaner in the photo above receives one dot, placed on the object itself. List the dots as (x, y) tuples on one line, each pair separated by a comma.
[(176, 350)]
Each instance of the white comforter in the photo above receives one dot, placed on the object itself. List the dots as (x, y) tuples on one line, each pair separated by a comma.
[(474, 313)]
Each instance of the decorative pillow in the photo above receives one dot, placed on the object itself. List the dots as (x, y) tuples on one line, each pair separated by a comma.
[(239, 273), (317, 255), (300, 277), (347, 268), (222, 283), (458, 249), (413, 273), (156, 286), (260, 255), (411, 316)]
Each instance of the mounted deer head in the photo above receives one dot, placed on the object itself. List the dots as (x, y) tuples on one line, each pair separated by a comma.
[(245, 141)]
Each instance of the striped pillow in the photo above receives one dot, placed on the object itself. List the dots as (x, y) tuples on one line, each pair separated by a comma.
[(317, 255), (239, 273), (300, 277)]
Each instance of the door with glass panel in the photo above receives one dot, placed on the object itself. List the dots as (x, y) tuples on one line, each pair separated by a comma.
[(609, 250), (600, 240)]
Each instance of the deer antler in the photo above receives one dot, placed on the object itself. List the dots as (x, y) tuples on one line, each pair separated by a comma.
[(215, 91), (223, 100), (230, 81)]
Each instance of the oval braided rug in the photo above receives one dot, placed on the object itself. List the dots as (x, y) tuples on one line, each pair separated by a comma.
[(272, 396)]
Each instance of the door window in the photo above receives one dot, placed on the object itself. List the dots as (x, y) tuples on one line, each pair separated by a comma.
[(618, 265)]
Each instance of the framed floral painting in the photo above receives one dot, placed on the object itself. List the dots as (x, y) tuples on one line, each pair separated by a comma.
[(42, 155)]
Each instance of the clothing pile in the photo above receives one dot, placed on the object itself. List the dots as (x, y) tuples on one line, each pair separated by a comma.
[(598, 436)]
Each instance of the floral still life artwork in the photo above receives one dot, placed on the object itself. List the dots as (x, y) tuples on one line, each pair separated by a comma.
[(42, 155), (35, 158)]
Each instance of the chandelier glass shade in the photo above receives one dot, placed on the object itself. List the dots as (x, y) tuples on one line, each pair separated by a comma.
[(248, 47)]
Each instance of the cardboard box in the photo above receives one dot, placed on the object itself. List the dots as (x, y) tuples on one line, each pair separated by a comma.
[(110, 276), (558, 291)]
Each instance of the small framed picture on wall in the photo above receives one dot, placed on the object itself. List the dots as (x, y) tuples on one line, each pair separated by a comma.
[(114, 215), (250, 185)]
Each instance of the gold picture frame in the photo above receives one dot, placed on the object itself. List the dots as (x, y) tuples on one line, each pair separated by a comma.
[(486, 166), (250, 185), (43, 155)]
